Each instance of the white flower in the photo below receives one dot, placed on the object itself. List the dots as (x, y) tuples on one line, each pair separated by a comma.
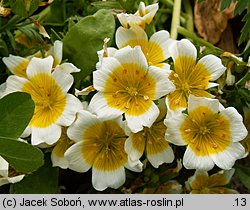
[(155, 49), (151, 141), (100, 145), (8, 175), (202, 183), (144, 15), (57, 154), (18, 65), (189, 76), (211, 133), (126, 84), (53, 106)]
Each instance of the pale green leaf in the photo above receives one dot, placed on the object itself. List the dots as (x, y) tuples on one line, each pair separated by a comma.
[(85, 38), (24, 8)]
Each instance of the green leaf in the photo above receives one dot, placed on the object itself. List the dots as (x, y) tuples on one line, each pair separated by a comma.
[(57, 14), (241, 6), (3, 48), (244, 175), (85, 38), (245, 32), (21, 156), (107, 5), (244, 94), (16, 111), (128, 5), (43, 181), (24, 8), (225, 4)]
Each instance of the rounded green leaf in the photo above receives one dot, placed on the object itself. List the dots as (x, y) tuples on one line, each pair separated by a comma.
[(84, 39), (24, 8), (21, 156), (43, 181), (16, 111)]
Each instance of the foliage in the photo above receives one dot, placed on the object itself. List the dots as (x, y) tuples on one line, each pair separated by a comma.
[(241, 5)]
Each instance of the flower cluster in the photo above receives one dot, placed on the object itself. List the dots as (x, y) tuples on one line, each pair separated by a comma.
[(141, 105)]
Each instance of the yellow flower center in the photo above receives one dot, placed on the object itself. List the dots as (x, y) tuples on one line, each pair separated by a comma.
[(206, 132), (152, 51), (130, 89), (62, 144), (152, 139), (189, 78), (103, 146), (20, 69), (48, 97)]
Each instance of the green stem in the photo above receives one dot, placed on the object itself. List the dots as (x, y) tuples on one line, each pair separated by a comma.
[(190, 19), (243, 80), (198, 40), (175, 19)]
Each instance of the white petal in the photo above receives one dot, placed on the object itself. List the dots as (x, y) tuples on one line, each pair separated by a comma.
[(166, 66), (61, 162), (194, 102), (150, 11), (73, 105), (237, 128), (123, 35), (14, 62), (214, 65), (57, 51), (84, 120), (3, 87), (182, 48), (136, 123), (136, 21), (227, 158), (192, 161), (4, 167), (67, 68), (99, 106), (39, 65), (130, 55), (104, 179), (212, 84), (134, 165), (123, 18), (64, 80), (166, 156), (162, 39), (173, 121), (49, 135), (26, 132), (75, 158), (100, 76), (227, 174), (133, 153), (163, 84), (12, 180), (111, 52), (14, 83)]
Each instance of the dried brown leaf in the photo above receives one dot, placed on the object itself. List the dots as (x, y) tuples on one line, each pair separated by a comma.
[(210, 22)]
